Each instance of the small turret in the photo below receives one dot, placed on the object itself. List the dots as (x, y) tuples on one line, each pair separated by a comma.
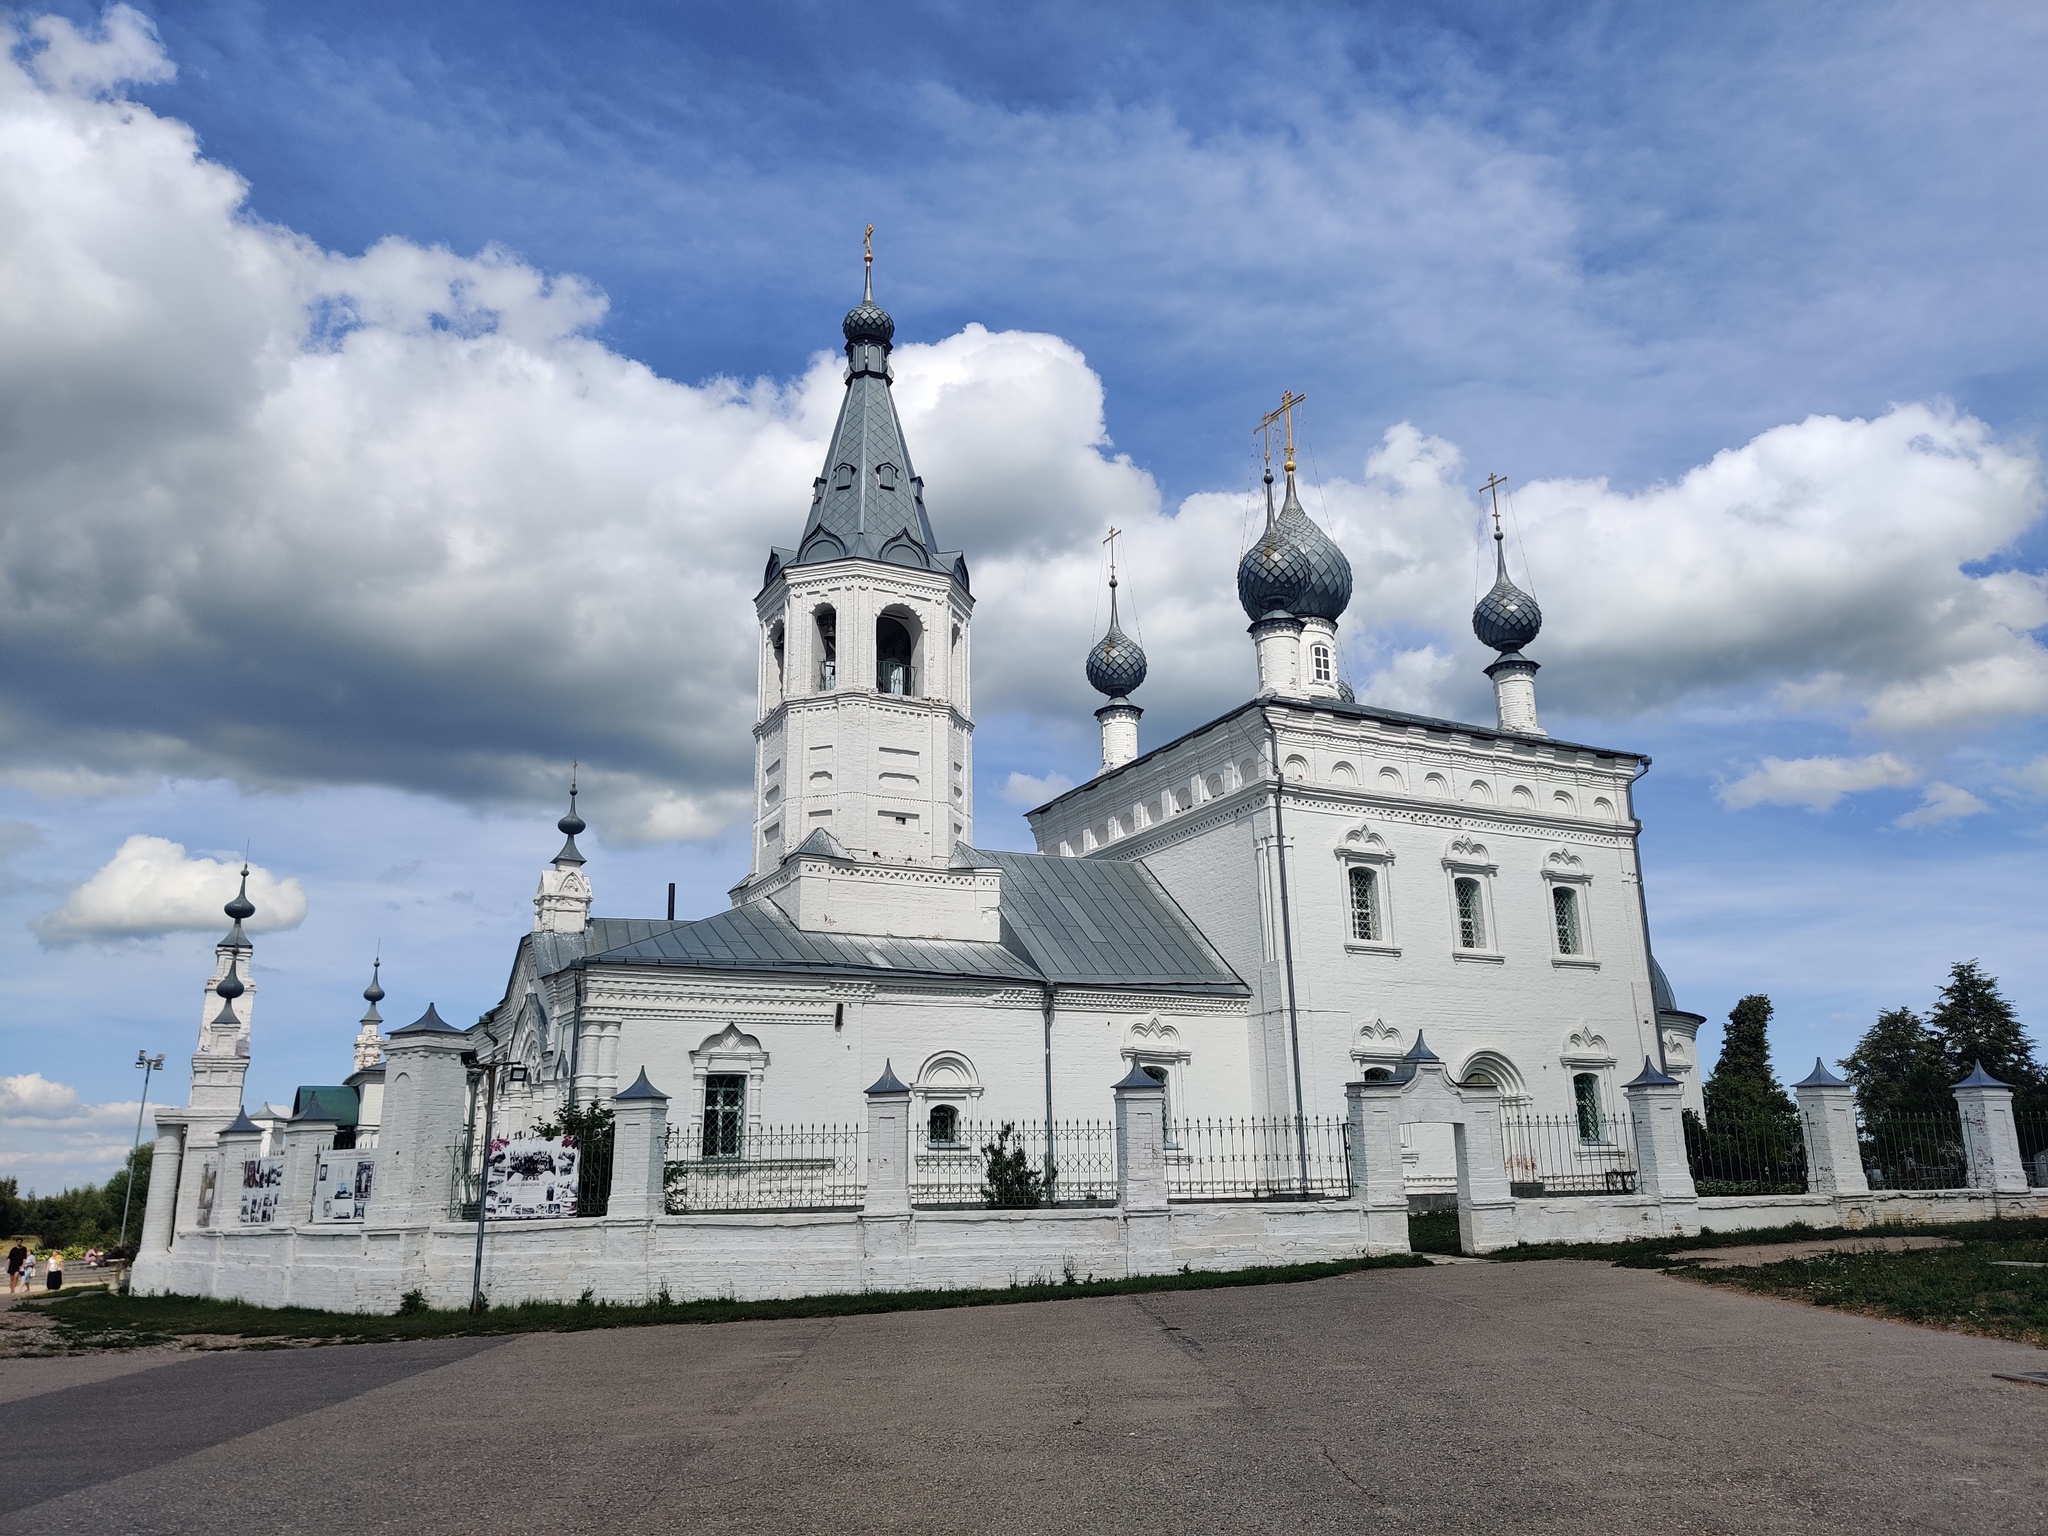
[(1294, 583), (562, 904), (369, 1043), (1115, 668), (1507, 619)]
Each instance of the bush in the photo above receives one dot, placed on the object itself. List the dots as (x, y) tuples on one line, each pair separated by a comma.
[(1010, 1183), (412, 1303)]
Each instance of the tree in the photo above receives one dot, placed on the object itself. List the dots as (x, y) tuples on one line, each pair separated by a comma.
[(1010, 1183), (590, 1130), (1899, 1068), (1975, 1023), (1743, 1086)]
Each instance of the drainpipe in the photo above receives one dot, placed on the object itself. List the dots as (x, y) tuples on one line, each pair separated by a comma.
[(1051, 1171), (1287, 952), (1643, 909)]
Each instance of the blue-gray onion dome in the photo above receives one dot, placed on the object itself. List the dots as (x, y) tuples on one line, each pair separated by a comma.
[(1344, 692), (241, 907), (1507, 618), (1117, 664), (868, 321), (1294, 568)]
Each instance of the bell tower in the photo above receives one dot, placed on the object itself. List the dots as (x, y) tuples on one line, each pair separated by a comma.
[(864, 738)]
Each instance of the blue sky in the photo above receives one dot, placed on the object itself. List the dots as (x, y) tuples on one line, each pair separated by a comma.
[(443, 448)]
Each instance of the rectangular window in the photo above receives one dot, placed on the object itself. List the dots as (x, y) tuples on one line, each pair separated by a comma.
[(1586, 1100), (1365, 905), (1565, 901), (1471, 914), (1320, 656), (725, 1113)]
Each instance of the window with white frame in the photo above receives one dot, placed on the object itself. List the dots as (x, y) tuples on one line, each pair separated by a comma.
[(1564, 905), (1365, 905), (725, 1113), (1471, 901), (1319, 663)]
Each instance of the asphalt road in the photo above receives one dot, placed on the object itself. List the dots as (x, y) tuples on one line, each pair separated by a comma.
[(1518, 1398)]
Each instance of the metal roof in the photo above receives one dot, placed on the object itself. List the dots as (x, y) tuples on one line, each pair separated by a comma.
[(1066, 921)]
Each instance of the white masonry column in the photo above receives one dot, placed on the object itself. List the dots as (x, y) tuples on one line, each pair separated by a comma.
[(308, 1135), (1514, 694), (1827, 1120), (1278, 638), (1373, 1150), (166, 1165), (639, 1151), (1990, 1136), (426, 1109), (239, 1143), (1656, 1116), (888, 1192), (1141, 1173)]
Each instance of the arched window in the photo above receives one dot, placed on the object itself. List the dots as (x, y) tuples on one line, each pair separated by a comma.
[(1586, 1101), (1365, 904), (828, 650), (1565, 902), (776, 649), (893, 652), (1471, 914), (942, 1126), (1159, 1075), (1319, 662), (1377, 1075)]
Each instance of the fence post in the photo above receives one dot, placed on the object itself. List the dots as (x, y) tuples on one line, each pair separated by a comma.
[(306, 1135), (888, 1192), (426, 1091), (1372, 1152), (1655, 1116), (639, 1150), (240, 1142), (1827, 1121), (1141, 1173), (1990, 1136)]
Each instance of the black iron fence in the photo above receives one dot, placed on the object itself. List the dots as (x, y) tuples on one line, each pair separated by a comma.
[(1579, 1154), (769, 1168), (1278, 1158), (1915, 1152), (1736, 1156), (2032, 1125), (1011, 1164), (527, 1184)]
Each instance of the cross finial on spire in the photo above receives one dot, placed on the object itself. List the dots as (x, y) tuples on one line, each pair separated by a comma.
[(867, 261), (1288, 401), (1493, 485)]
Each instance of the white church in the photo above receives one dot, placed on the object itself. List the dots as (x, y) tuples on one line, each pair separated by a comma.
[(1282, 901)]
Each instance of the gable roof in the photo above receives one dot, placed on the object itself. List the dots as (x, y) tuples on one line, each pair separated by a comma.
[(1071, 922)]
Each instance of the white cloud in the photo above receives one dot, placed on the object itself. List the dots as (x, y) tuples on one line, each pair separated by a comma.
[(50, 1139), (1942, 802), (2033, 775), (290, 516), (1816, 782), (150, 886), (1025, 792)]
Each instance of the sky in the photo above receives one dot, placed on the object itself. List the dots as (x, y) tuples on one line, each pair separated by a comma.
[(397, 403)]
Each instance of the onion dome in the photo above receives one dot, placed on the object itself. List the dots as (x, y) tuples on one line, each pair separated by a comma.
[(1117, 664), (569, 826), (1344, 692), (1507, 618), (229, 986), (373, 994), (1294, 567), (241, 907), (868, 321)]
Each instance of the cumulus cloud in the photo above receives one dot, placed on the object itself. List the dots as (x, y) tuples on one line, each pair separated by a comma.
[(1941, 803), (1024, 791), (290, 516), (51, 1139), (1816, 782), (151, 886)]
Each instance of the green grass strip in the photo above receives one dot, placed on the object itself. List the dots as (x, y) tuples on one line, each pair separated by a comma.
[(100, 1320), (1664, 1252)]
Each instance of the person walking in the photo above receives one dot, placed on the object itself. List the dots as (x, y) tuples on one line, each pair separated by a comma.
[(16, 1257), (28, 1269)]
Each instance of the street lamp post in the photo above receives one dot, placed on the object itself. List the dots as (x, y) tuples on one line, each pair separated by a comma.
[(149, 1064), (514, 1073)]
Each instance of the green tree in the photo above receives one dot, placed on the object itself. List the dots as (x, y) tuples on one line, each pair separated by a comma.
[(118, 1196), (1899, 1068), (1975, 1023), (1743, 1086), (592, 1129), (1010, 1182)]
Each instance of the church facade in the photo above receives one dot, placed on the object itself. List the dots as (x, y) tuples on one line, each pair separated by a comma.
[(1275, 904), (1282, 901)]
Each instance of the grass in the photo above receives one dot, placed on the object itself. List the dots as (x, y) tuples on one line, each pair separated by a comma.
[(101, 1320), (1960, 1288)]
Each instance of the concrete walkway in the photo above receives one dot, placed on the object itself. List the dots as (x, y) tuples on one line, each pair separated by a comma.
[(1518, 1398)]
